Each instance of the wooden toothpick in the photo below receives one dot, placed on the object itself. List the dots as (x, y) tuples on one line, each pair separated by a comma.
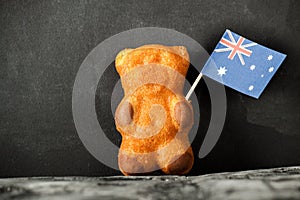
[(188, 95)]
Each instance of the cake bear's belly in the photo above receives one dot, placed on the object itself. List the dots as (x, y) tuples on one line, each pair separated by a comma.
[(153, 125)]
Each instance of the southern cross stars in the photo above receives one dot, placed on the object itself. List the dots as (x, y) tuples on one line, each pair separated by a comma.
[(270, 57), (252, 67), (250, 87)]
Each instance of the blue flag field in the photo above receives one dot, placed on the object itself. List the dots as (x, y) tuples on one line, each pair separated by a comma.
[(242, 64)]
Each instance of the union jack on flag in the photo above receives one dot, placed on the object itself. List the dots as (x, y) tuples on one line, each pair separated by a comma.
[(242, 64), (235, 48)]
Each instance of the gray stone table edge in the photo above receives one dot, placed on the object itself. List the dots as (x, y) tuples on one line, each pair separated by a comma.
[(275, 183)]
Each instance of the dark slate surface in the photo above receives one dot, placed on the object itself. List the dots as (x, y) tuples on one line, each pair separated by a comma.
[(278, 183), (43, 43)]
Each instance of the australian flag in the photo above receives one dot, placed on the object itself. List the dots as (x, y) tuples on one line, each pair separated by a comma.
[(242, 64)]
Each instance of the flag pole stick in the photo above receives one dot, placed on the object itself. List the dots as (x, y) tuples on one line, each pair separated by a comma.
[(188, 95)]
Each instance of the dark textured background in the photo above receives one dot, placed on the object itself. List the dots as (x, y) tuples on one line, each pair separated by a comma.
[(43, 43)]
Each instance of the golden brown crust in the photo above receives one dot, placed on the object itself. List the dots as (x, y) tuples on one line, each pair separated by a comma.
[(154, 118), (175, 57)]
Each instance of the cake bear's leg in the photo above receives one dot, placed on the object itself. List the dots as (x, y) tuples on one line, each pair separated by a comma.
[(177, 157), (182, 165)]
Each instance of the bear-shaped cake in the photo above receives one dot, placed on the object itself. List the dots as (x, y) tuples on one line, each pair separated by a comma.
[(154, 118)]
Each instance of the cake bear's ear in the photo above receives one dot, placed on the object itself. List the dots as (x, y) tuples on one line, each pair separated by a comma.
[(183, 114), (124, 114), (182, 51)]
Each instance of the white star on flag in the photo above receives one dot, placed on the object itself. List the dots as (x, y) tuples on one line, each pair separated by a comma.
[(222, 71), (270, 57), (235, 47), (252, 67), (250, 87)]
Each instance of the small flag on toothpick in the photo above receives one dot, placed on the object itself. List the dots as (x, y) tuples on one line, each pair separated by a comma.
[(241, 64)]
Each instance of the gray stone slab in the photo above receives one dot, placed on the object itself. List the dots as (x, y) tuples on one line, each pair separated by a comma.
[(276, 183)]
